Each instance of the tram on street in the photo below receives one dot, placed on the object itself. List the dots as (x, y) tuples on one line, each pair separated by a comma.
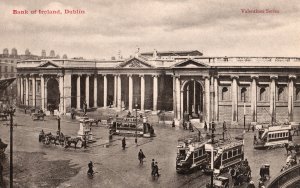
[(131, 127), (226, 154), (190, 153), (272, 136)]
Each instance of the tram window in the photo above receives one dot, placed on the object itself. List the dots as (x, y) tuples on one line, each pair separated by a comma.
[(224, 156), (229, 154), (270, 135), (234, 152), (239, 151), (195, 154), (280, 135), (200, 152)]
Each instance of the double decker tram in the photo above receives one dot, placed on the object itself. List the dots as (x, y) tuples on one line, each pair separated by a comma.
[(226, 153), (130, 127), (190, 153), (272, 136)]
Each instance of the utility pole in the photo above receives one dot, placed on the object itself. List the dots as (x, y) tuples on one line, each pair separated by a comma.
[(11, 112), (136, 123), (212, 153)]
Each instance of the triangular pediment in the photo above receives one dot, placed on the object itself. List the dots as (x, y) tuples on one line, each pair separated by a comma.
[(48, 64), (135, 63), (191, 63)]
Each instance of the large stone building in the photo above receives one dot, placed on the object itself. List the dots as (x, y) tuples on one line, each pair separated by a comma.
[(8, 63), (183, 82)]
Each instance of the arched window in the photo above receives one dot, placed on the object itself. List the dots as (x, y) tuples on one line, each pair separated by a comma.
[(244, 94), (280, 94), (297, 94), (262, 94), (224, 93)]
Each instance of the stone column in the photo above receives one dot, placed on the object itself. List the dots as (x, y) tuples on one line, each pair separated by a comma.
[(95, 91), (174, 96), (178, 97), (78, 92), (18, 88), (115, 90), (207, 99), (234, 94), (119, 100), (22, 90), (187, 98), (194, 97), (155, 93), (46, 92), (142, 93), (130, 92), (42, 91), (273, 97), (254, 97), (87, 90), (61, 92), (291, 97), (104, 91), (27, 91), (216, 99), (33, 78), (67, 79)]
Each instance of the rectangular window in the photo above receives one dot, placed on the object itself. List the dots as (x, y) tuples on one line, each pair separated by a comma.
[(30, 86), (38, 87), (195, 154), (5, 69), (234, 152), (12, 69)]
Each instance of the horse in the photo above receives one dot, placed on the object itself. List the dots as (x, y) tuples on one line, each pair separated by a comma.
[(60, 137), (49, 138), (70, 140)]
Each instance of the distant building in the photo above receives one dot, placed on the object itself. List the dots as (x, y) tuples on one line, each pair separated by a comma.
[(183, 82), (52, 54), (43, 53)]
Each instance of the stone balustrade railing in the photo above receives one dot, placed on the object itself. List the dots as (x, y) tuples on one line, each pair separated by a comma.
[(286, 178)]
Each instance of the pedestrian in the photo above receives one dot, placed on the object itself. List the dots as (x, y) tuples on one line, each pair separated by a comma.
[(123, 143), (173, 123), (253, 128), (141, 156), (254, 139), (152, 167), (1, 175), (205, 126), (90, 170), (224, 126), (155, 169), (251, 184)]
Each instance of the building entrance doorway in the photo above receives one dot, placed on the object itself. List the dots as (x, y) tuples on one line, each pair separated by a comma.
[(53, 95), (193, 100)]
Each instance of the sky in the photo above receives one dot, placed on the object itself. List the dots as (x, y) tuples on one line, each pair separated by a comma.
[(214, 27)]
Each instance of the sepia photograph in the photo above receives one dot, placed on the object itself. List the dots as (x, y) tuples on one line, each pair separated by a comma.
[(149, 93)]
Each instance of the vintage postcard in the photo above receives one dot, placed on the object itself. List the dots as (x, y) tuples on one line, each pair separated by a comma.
[(149, 93)]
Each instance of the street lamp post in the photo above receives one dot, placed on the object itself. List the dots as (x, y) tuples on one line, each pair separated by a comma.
[(136, 123), (11, 113)]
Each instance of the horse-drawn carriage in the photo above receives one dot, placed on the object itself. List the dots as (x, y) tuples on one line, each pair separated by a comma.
[(40, 115), (59, 139)]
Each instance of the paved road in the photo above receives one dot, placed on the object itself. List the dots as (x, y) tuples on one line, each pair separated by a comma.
[(38, 165)]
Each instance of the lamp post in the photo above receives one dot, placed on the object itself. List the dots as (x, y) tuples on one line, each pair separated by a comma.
[(136, 123), (11, 113)]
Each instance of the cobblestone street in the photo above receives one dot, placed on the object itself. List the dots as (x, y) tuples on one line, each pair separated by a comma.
[(39, 165)]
